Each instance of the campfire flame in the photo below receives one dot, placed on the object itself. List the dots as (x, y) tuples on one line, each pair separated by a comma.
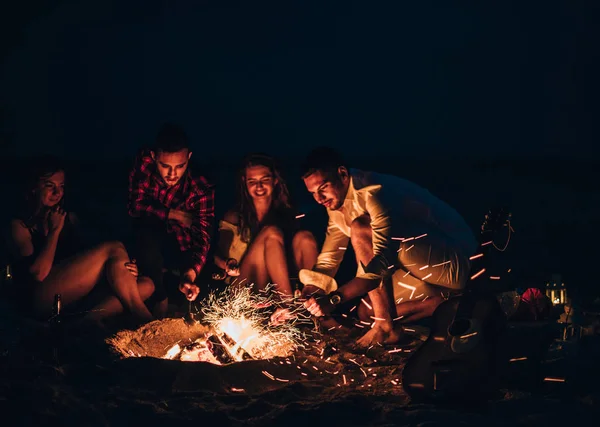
[(242, 316), (239, 326)]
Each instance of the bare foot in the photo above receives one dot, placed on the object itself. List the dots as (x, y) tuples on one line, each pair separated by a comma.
[(378, 335)]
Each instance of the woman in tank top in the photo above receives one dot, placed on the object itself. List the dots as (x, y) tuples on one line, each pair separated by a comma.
[(48, 259)]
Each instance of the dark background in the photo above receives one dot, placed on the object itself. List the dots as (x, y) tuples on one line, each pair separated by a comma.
[(480, 102)]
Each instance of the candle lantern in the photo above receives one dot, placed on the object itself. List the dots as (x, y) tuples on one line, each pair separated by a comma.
[(556, 290)]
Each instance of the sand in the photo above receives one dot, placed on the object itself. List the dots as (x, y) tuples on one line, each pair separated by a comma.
[(87, 382)]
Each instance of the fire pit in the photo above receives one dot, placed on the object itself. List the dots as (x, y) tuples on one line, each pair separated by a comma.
[(233, 327)]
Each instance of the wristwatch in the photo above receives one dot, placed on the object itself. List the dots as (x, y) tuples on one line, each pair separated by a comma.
[(335, 298)]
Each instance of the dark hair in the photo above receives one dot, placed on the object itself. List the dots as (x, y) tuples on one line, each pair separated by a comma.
[(322, 159), (39, 168), (171, 138), (281, 208)]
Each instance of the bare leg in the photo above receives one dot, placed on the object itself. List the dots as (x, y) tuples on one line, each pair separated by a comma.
[(381, 298), (111, 306), (76, 277), (265, 262), (161, 308), (305, 250)]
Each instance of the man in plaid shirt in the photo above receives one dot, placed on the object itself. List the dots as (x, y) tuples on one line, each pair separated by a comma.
[(173, 214)]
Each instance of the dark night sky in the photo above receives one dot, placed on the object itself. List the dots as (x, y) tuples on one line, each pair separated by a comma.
[(99, 76), (479, 101)]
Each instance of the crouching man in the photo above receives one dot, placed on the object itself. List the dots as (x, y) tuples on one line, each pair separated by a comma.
[(412, 249)]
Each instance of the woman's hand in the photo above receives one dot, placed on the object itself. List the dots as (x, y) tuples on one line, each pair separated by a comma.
[(280, 316), (132, 267), (56, 219)]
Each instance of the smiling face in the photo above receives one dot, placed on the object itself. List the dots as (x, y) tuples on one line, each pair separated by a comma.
[(260, 182), (329, 191), (51, 189), (172, 166)]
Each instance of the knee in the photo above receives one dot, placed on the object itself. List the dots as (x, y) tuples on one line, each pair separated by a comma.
[(272, 233), (145, 286), (114, 247), (303, 239)]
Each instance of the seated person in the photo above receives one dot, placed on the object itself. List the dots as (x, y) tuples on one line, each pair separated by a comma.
[(260, 241), (47, 256), (173, 214), (410, 246)]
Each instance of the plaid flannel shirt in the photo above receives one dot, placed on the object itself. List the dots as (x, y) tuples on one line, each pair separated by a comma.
[(149, 195)]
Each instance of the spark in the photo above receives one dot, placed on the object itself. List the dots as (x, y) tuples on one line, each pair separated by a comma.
[(352, 309), (268, 375), (300, 216), (428, 276), (412, 288), (495, 277), (424, 267), (364, 373), (554, 379), (396, 350), (442, 263), (487, 243), (516, 359), (344, 376), (342, 248), (479, 273), (422, 235), (398, 301), (476, 256), (472, 334), (366, 303), (397, 318), (411, 246), (409, 330)]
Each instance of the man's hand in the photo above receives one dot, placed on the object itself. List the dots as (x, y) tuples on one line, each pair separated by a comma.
[(184, 218), (187, 286), (316, 302)]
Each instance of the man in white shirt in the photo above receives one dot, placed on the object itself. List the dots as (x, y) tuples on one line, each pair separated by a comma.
[(410, 246)]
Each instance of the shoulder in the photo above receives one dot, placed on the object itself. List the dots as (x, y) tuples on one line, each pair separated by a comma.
[(200, 184), (231, 216), (18, 231), (143, 159)]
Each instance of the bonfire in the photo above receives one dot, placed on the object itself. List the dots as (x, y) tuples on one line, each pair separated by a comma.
[(232, 326)]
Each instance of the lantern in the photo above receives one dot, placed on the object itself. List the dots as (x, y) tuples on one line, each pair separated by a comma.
[(556, 290)]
